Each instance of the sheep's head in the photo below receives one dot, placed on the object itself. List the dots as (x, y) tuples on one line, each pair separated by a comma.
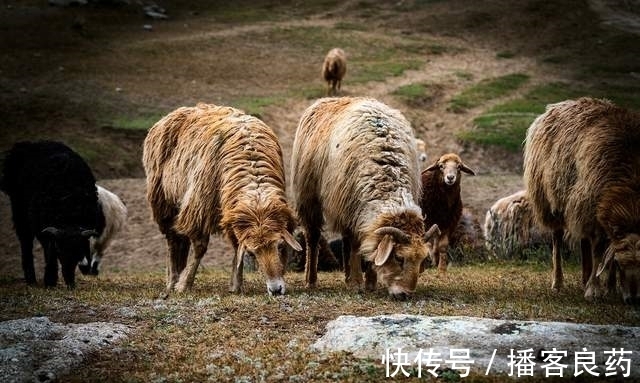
[(263, 232), (398, 256), (450, 165), (623, 256), (619, 214)]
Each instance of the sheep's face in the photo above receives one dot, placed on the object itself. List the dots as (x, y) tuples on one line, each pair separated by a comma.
[(269, 252), (398, 258), (449, 166), (626, 261), (399, 272)]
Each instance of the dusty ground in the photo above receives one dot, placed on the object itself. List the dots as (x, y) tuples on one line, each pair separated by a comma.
[(68, 73)]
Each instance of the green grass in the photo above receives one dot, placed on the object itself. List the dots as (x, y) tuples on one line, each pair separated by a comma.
[(505, 125), (255, 105), (486, 90), (418, 93), (136, 123)]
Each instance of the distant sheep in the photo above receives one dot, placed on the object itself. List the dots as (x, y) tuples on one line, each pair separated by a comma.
[(509, 226), (54, 199), (441, 202), (422, 152), (334, 68), (355, 164), (582, 175), (115, 215), (214, 169)]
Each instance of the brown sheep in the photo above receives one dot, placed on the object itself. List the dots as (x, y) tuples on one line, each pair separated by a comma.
[(510, 227), (582, 175), (214, 169), (355, 164), (334, 68), (441, 202)]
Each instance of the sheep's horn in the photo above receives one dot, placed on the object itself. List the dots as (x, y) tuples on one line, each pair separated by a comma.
[(89, 233), (399, 235), (51, 230), (608, 257), (434, 230)]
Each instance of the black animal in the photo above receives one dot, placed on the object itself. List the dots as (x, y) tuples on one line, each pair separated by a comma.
[(54, 199)]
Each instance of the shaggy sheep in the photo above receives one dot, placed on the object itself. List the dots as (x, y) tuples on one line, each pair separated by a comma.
[(334, 68), (214, 169), (582, 175), (115, 215), (355, 164), (441, 202), (53, 198), (509, 226)]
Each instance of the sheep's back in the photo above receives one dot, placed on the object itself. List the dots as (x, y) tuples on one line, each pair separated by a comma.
[(364, 153), (208, 157), (573, 152)]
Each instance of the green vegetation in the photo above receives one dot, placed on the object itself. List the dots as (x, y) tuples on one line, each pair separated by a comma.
[(487, 89), (505, 55), (505, 125), (418, 94), (255, 105), (139, 123)]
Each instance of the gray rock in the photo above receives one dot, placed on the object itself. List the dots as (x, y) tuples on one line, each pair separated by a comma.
[(489, 343), (36, 349)]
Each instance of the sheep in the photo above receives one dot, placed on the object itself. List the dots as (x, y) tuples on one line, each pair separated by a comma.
[(441, 202), (115, 214), (509, 226), (213, 169), (334, 68), (354, 163), (582, 176), (422, 151), (54, 199)]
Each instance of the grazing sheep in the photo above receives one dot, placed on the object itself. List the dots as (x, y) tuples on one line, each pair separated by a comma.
[(355, 164), (509, 226), (115, 215), (441, 202), (422, 151), (582, 175), (334, 68), (53, 198), (214, 169)]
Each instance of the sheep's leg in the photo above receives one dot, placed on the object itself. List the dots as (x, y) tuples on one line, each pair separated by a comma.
[(354, 281), (593, 289), (311, 265), (188, 275), (26, 249), (443, 244), (177, 257), (50, 266), (587, 261), (556, 257), (371, 278), (346, 251), (236, 275)]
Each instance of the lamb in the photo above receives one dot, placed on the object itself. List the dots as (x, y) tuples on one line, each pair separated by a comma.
[(441, 202), (115, 214), (334, 68), (509, 226), (582, 175), (213, 169), (53, 198), (355, 164)]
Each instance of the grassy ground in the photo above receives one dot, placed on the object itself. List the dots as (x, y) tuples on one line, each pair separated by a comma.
[(211, 335)]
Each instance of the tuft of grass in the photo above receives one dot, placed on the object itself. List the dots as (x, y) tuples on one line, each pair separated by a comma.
[(505, 125), (255, 105), (487, 89), (418, 94)]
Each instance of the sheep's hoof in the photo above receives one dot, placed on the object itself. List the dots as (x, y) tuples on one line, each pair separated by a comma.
[(556, 286), (311, 285)]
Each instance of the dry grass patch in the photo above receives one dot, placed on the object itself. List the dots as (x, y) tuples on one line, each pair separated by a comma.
[(211, 335)]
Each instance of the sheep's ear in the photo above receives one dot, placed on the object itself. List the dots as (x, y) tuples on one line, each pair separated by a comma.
[(383, 250), (431, 167), (467, 169), (291, 241), (239, 256), (608, 257)]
